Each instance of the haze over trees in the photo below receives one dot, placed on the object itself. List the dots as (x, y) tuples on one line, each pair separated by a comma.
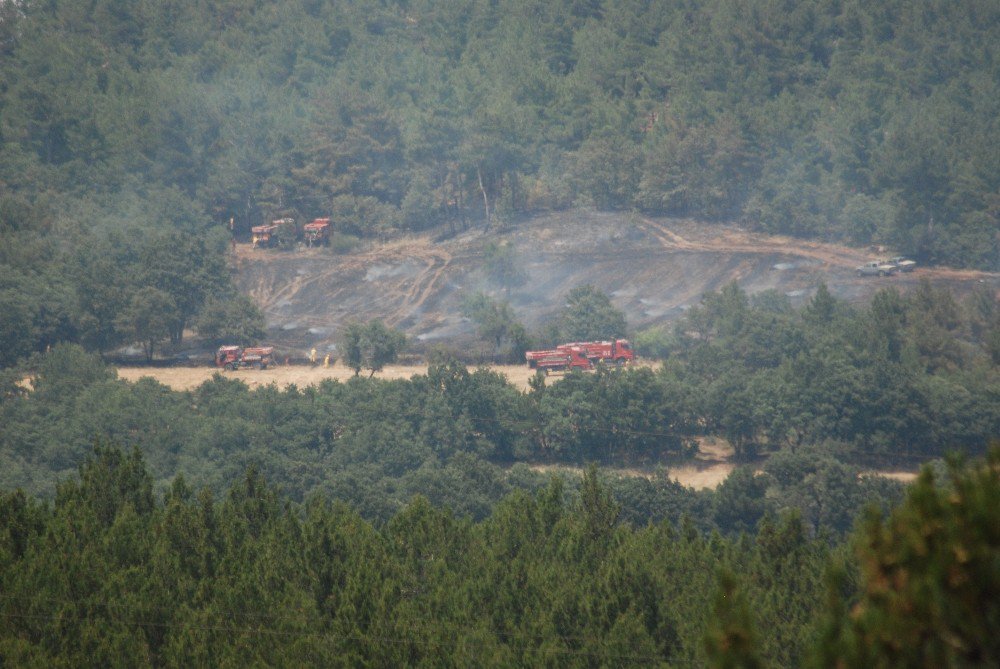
[(133, 129), (827, 118), (399, 523)]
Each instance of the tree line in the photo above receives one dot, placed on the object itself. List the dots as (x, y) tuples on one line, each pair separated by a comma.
[(108, 287), (891, 377), (826, 391), (829, 118)]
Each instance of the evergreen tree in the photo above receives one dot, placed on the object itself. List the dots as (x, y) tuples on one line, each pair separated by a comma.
[(590, 316), (930, 577)]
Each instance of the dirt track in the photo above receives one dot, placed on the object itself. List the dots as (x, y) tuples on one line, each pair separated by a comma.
[(706, 470)]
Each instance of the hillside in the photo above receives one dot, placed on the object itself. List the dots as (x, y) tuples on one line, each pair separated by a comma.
[(134, 141), (653, 269)]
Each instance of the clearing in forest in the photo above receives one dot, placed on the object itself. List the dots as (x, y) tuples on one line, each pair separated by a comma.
[(653, 270)]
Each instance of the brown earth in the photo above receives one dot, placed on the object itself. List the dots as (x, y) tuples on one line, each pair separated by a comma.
[(187, 378), (653, 269), (709, 468)]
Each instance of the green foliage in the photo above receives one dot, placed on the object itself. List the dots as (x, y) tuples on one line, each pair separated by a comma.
[(231, 319), (825, 492), (110, 480), (930, 578), (113, 288), (740, 502), (732, 641), (370, 345), (590, 316), (250, 576), (147, 318), (882, 380), (857, 122), (656, 343), (16, 328), (60, 374), (497, 325)]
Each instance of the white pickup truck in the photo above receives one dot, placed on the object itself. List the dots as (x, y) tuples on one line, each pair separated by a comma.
[(877, 268)]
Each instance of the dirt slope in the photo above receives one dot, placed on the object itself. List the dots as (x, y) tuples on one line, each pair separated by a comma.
[(652, 269)]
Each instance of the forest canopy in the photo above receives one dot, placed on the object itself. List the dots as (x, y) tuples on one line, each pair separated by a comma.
[(825, 118), (827, 391), (113, 570), (395, 523)]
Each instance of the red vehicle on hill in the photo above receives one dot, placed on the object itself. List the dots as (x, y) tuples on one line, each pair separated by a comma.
[(270, 236), (317, 233), (558, 359), (235, 357), (263, 235), (615, 352)]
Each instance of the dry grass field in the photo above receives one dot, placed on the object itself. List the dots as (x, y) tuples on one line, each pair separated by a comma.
[(186, 378)]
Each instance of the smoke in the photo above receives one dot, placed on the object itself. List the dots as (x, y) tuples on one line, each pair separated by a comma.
[(408, 268)]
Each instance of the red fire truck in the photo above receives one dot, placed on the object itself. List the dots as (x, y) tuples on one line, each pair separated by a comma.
[(559, 359), (317, 233), (269, 236), (581, 355), (615, 352), (235, 357)]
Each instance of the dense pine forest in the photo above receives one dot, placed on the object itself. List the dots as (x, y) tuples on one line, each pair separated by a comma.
[(113, 574), (827, 117), (403, 523)]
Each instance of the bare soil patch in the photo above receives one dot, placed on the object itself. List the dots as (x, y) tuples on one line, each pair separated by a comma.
[(706, 470), (709, 468), (901, 476)]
